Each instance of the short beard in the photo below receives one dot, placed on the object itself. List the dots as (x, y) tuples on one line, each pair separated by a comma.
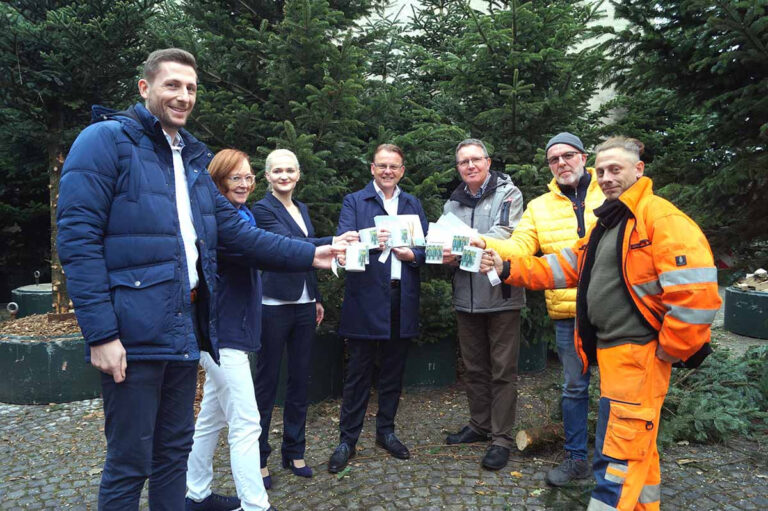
[(165, 121)]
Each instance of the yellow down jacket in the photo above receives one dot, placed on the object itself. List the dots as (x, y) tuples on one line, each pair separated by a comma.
[(548, 225)]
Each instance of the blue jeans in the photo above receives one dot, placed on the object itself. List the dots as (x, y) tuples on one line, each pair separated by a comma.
[(149, 422), (575, 391)]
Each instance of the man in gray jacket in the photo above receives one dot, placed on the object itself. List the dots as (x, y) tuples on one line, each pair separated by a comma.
[(488, 317)]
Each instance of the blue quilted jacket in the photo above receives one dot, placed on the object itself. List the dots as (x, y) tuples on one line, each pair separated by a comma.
[(121, 247)]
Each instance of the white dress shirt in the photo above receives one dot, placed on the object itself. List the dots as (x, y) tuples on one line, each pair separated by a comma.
[(184, 209), (390, 206)]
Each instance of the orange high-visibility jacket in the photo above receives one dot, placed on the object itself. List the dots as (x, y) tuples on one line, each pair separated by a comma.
[(667, 265)]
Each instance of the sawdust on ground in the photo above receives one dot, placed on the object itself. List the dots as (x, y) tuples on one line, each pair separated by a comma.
[(38, 325)]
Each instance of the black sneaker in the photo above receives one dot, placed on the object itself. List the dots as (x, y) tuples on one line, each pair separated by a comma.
[(569, 470), (213, 502)]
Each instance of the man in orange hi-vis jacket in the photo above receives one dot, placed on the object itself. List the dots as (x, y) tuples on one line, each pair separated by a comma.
[(647, 294)]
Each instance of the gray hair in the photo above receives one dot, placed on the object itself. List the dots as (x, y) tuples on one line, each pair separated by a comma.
[(631, 145), (278, 153), (471, 141)]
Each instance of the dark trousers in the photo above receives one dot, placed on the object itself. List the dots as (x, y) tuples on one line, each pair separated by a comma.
[(490, 346), (392, 355), (149, 422), (291, 325)]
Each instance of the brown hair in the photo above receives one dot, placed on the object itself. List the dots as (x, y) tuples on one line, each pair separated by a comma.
[(631, 145), (157, 57), (222, 164), (392, 148)]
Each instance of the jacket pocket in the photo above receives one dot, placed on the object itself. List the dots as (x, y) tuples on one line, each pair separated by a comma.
[(141, 298), (629, 432)]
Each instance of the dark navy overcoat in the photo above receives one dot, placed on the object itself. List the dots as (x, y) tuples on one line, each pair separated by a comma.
[(365, 312)]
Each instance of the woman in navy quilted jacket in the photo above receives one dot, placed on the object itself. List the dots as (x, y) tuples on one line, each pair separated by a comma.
[(228, 395)]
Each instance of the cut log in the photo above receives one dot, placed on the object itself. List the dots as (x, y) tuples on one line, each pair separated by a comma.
[(540, 436)]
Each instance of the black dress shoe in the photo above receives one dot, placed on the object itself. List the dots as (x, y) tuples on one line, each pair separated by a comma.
[(467, 435), (394, 446), (496, 457), (340, 458)]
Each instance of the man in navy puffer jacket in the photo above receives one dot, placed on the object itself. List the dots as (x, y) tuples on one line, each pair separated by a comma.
[(139, 222)]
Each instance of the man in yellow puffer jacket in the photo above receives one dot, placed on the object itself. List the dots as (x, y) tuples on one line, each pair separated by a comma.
[(551, 222)]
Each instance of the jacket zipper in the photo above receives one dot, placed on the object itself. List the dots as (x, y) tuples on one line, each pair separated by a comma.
[(471, 285)]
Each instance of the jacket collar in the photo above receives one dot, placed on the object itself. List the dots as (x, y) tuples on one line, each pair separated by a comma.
[(460, 195), (369, 193), (283, 213), (137, 120), (634, 194)]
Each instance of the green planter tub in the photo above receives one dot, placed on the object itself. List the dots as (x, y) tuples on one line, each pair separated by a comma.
[(41, 370), (431, 364), (746, 313)]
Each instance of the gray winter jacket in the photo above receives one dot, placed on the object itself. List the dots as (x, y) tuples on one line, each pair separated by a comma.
[(494, 214)]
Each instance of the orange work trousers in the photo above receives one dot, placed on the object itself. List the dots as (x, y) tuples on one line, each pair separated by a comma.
[(633, 384)]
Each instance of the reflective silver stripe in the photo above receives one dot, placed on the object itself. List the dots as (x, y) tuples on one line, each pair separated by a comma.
[(618, 467), (688, 276), (570, 256), (598, 505), (692, 316), (650, 493), (647, 288), (557, 270), (614, 478)]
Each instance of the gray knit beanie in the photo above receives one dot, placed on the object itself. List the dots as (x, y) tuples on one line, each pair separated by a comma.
[(566, 138)]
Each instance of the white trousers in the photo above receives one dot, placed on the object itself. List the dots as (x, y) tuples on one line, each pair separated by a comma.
[(228, 399)]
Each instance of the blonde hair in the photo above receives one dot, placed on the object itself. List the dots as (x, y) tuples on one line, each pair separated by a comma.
[(279, 153), (631, 145)]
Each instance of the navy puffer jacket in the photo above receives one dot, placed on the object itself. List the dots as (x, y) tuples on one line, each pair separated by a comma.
[(121, 247)]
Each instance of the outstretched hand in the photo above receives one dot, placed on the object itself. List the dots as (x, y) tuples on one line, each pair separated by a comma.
[(477, 241), (325, 254), (404, 254), (347, 238), (491, 259)]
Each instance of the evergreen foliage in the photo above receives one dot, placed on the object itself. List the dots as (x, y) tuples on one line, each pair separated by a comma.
[(694, 82), (56, 59), (727, 396)]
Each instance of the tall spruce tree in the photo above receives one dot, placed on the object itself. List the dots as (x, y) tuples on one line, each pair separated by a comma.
[(512, 74), (694, 79), (58, 57)]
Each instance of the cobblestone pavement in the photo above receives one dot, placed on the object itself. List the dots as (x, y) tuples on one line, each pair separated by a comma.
[(51, 456)]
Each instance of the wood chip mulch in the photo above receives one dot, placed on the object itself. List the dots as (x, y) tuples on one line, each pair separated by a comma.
[(38, 325)]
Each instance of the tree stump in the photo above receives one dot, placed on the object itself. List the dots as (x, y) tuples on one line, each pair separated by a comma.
[(534, 438)]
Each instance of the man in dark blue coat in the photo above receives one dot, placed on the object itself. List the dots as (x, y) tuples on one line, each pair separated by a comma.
[(380, 310), (139, 222)]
